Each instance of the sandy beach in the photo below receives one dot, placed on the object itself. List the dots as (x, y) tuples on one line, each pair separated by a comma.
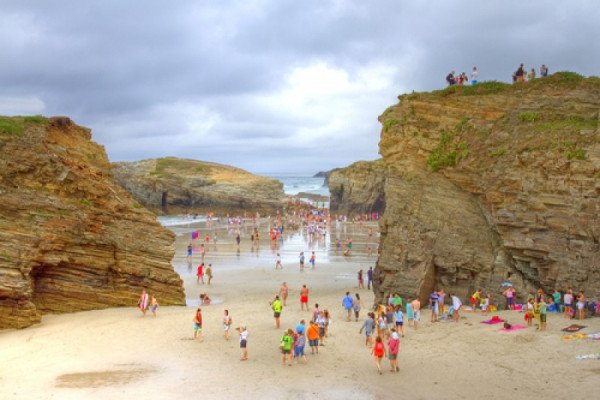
[(118, 354)]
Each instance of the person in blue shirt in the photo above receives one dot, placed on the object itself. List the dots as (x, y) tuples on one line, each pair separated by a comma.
[(347, 303)]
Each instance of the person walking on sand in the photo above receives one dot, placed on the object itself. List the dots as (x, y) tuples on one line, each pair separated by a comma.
[(278, 262), (368, 326), (456, 305), (378, 352), (347, 304), (299, 343), (312, 334), (304, 298), (243, 342), (369, 278), (200, 273), (286, 345), (277, 307), (143, 302), (410, 315), (312, 259), (209, 274), (356, 306), (227, 321), (433, 303), (393, 348), (202, 252), (238, 240), (322, 324), (198, 324), (399, 317), (301, 257), (284, 290), (416, 307), (153, 305)]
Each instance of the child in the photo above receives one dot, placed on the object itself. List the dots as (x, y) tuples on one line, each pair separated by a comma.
[(312, 259), (529, 312), (378, 351), (243, 342), (543, 314), (227, 321), (485, 303), (198, 324), (410, 315), (153, 305), (399, 316)]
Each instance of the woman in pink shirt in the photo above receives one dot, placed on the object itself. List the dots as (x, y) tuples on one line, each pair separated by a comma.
[(393, 347)]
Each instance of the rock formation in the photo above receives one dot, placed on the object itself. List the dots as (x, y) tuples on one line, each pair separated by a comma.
[(491, 183), (172, 185), (70, 238), (358, 188)]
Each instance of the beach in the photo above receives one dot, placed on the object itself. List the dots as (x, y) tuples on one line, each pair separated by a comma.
[(118, 354)]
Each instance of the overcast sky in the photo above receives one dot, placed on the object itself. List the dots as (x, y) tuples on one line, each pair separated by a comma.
[(269, 86)]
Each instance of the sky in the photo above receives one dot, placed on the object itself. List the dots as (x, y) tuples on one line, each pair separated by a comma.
[(271, 86)]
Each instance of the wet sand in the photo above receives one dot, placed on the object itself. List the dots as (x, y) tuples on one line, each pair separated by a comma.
[(118, 354)]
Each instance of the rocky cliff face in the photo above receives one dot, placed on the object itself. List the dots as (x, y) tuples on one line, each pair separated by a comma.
[(492, 183), (70, 238), (358, 188), (172, 185)]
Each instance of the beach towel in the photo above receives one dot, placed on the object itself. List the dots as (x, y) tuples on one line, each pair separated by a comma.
[(575, 336), (588, 357), (513, 328), (573, 328), (494, 320)]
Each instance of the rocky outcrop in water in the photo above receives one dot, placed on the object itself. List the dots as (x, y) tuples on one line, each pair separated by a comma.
[(358, 188), (70, 238), (171, 185), (491, 183)]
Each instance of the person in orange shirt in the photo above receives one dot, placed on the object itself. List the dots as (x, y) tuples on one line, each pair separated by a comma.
[(312, 333)]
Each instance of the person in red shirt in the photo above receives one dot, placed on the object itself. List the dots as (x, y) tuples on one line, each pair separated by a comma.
[(200, 273), (378, 352)]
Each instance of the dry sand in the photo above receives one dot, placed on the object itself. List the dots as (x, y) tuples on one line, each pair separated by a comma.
[(117, 354)]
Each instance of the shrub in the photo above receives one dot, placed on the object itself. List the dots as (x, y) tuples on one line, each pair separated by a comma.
[(10, 127), (389, 123), (35, 119), (529, 116)]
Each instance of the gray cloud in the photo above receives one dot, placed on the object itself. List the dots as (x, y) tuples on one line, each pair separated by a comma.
[(267, 85)]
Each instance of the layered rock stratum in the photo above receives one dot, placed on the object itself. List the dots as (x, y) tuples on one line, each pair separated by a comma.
[(171, 185), (492, 183), (70, 238), (358, 188)]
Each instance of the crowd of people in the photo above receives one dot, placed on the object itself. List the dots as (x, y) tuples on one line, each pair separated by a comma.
[(520, 75)]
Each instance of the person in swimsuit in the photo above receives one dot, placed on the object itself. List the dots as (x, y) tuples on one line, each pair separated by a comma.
[(153, 305), (581, 305), (304, 298), (209, 274), (283, 292), (416, 306), (301, 260), (312, 259), (361, 283), (278, 262), (226, 324), (356, 306), (200, 273), (198, 324)]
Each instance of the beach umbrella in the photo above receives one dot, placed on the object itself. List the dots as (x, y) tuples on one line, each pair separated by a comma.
[(506, 284)]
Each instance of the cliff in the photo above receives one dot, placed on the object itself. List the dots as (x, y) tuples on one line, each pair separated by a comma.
[(70, 238), (357, 189), (492, 183), (172, 185)]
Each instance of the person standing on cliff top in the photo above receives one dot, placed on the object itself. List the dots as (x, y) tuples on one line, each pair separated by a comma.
[(520, 74), (369, 278), (543, 71), (450, 78), (474, 76)]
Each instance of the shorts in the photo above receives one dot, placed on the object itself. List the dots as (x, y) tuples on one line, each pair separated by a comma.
[(399, 323), (542, 317), (321, 332), (276, 314), (510, 301), (286, 351), (197, 327), (580, 305), (226, 327), (154, 308), (304, 299), (313, 343), (417, 316), (392, 356), (243, 343), (298, 351), (189, 253)]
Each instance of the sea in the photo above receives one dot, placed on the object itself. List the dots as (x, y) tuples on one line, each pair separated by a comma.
[(292, 185)]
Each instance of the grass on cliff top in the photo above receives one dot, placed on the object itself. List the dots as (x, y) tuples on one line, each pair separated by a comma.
[(565, 79), (14, 126), (189, 166)]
